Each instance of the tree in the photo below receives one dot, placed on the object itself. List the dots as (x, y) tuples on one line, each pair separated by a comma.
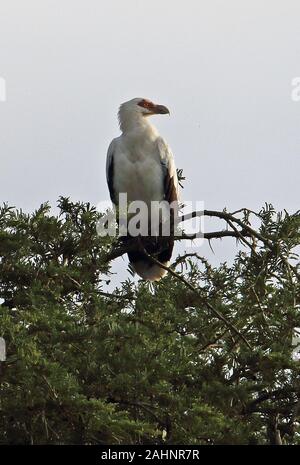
[(208, 355)]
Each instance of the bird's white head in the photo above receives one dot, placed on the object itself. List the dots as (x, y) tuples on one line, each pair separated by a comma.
[(134, 112)]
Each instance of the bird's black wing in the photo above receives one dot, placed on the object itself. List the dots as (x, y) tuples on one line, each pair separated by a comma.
[(110, 167), (170, 174)]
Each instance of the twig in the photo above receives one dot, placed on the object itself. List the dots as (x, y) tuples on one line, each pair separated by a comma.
[(212, 235), (228, 216), (242, 238)]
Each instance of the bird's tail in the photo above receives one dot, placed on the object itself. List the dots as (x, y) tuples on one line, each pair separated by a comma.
[(144, 267)]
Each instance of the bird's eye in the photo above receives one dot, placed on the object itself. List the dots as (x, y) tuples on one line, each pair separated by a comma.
[(145, 104)]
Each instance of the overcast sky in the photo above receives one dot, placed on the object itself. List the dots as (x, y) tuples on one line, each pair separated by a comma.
[(224, 68)]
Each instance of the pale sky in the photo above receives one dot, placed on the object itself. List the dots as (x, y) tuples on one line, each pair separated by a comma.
[(223, 68)]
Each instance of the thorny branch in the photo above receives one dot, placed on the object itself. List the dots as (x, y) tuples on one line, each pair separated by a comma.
[(245, 231)]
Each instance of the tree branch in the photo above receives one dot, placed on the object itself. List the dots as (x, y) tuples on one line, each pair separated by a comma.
[(130, 245)]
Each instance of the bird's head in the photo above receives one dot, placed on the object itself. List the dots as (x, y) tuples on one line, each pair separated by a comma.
[(138, 108), (148, 108)]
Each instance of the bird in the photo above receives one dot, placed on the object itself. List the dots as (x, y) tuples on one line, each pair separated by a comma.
[(141, 165)]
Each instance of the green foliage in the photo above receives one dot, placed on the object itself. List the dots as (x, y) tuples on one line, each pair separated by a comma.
[(146, 364)]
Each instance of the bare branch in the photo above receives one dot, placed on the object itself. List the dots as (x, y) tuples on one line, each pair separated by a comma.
[(229, 217), (246, 231)]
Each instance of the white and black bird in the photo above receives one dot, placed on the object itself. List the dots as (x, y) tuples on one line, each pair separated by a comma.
[(140, 164)]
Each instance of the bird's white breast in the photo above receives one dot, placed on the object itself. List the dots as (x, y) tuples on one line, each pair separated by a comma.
[(137, 169)]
